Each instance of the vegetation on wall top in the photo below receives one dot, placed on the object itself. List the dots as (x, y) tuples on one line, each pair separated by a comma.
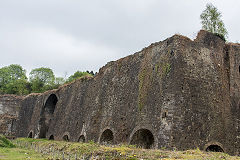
[(212, 22), (13, 80)]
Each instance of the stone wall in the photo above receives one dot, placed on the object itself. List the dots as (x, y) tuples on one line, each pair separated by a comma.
[(9, 110), (175, 94)]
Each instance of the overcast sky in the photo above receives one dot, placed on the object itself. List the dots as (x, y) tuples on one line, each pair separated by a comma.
[(71, 35)]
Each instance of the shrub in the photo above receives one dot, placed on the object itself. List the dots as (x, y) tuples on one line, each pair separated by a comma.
[(4, 142)]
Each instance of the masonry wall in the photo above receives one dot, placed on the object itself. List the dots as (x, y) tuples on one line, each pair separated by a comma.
[(30, 103), (181, 94), (234, 78), (9, 111)]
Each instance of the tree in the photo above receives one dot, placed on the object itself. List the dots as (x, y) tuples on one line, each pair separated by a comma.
[(13, 80), (211, 21), (59, 81), (77, 75), (20, 87), (41, 79)]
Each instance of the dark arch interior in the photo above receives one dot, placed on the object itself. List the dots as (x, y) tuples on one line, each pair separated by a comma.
[(107, 137), (51, 137), (50, 104), (66, 138), (239, 69), (47, 114), (81, 139), (214, 148), (30, 135), (143, 138)]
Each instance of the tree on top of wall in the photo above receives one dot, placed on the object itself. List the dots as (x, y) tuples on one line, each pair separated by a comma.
[(211, 21)]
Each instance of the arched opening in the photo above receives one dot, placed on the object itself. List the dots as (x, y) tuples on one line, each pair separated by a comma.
[(51, 137), (107, 137), (81, 139), (143, 138), (214, 148), (47, 115), (30, 135), (66, 138)]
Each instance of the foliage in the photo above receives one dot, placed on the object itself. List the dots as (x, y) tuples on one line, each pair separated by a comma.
[(59, 81), (45, 75), (211, 21), (41, 79), (20, 87), (78, 75), (13, 80), (4, 142)]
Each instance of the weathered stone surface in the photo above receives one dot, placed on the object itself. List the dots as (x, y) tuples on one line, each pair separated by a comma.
[(9, 109), (177, 94)]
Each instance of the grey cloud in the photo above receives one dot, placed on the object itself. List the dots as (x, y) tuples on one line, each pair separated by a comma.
[(70, 35)]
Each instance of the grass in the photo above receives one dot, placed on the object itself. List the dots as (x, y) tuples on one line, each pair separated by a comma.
[(26, 148), (8, 151), (129, 152), (4, 142), (19, 154)]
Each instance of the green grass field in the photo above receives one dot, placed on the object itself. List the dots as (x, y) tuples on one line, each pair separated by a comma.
[(18, 154), (26, 148), (9, 151)]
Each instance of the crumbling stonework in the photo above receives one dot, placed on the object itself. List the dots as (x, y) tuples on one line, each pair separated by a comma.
[(9, 108), (177, 94)]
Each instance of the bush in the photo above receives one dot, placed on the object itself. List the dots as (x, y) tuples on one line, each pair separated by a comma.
[(4, 142)]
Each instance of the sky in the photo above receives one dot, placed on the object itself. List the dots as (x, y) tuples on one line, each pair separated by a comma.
[(71, 35)]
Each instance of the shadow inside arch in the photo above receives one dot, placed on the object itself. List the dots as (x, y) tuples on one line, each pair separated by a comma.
[(143, 138), (51, 137), (66, 138), (214, 148), (30, 134), (81, 139), (107, 137), (47, 115)]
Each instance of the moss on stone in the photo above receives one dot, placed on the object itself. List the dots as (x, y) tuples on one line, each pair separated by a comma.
[(145, 80), (166, 69), (162, 68), (146, 74), (145, 77)]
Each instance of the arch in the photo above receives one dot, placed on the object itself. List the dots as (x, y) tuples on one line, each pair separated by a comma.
[(214, 148), (51, 137), (50, 103), (66, 138), (81, 139), (107, 137), (47, 114), (30, 134), (143, 138)]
